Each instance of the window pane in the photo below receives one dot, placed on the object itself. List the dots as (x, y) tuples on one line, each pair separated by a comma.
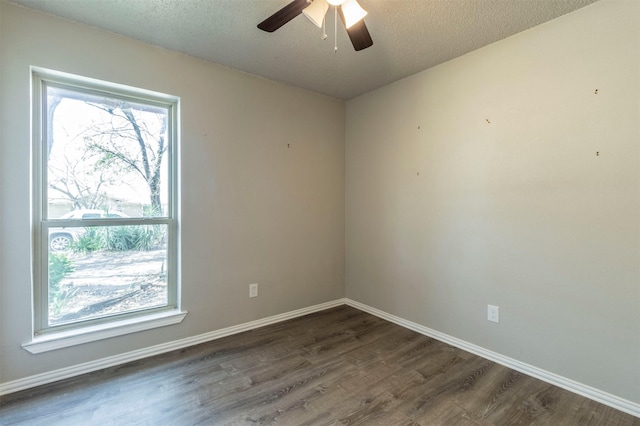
[(105, 153), (105, 198), (106, 270)]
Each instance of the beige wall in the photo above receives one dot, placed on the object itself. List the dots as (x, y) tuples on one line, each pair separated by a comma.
[(517, 211), (445, 211), (253, 210)]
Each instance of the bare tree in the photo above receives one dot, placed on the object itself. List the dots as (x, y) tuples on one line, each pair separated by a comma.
[(127, 142), (81, 183), (120, 140), (77, 181)]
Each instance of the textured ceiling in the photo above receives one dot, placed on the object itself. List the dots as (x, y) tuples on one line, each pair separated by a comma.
[(409, 35)]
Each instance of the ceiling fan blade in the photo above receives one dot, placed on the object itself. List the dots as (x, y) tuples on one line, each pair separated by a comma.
[(358, 33), (283, 16)]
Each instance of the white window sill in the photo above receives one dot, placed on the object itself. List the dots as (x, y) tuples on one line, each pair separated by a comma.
[(53, 341)]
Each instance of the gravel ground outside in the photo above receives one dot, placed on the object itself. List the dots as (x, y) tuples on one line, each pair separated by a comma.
[(105, 283)]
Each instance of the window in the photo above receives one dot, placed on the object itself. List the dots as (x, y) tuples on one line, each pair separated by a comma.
[(105, 203)]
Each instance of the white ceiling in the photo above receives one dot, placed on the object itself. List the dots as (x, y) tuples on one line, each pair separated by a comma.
[(408, 35)]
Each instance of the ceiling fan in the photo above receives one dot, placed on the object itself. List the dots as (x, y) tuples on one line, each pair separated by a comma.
[(350, 12)]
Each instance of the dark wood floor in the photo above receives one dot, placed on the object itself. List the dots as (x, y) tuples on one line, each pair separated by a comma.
[(336, 367)]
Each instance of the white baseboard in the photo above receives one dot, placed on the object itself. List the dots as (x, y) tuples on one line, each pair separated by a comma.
[(546, 376), (87, 367), (552, 378)]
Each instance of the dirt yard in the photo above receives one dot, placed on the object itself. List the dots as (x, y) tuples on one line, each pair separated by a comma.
[(105, 283)]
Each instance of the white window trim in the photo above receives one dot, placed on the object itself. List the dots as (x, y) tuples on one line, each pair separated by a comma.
[(80, 335), (51, 338)]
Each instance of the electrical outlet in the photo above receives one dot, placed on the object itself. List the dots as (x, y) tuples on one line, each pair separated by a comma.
[(493, 313), (253, 290)]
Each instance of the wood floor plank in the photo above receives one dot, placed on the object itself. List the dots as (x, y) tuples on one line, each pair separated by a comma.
[(336, 367)]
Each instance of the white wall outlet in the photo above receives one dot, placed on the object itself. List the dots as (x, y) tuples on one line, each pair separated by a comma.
[(253, 290), (493, 313)]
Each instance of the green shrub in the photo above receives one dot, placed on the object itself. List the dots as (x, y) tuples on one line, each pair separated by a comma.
[(60, 267), (139, 237), (90, 240), (147, 237), (150, 211), (118, 238)]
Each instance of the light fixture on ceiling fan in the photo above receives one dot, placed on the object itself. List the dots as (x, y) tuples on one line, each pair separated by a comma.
[(350, 11)]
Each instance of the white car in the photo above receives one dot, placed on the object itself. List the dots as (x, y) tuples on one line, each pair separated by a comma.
[(61, 240)]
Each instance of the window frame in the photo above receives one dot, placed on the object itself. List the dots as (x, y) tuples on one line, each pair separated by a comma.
[(41, 80)]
